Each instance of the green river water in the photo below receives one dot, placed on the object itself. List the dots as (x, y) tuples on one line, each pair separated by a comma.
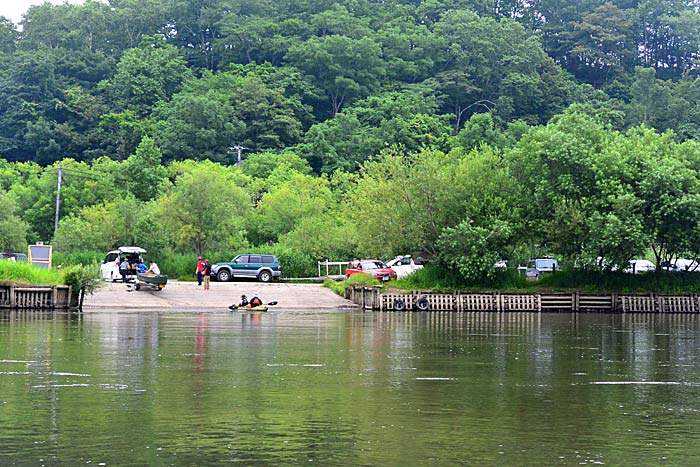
[(349, 389)]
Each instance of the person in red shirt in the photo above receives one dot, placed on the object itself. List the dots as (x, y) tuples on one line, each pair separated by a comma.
[(200, 270)]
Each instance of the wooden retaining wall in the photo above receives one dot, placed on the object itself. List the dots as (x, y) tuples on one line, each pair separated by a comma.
[(35, 297), (375, 298)]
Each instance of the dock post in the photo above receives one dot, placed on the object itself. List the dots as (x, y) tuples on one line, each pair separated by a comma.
[(377, 297)]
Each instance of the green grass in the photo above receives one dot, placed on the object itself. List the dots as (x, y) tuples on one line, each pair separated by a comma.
[(23, 273), (355, 279)]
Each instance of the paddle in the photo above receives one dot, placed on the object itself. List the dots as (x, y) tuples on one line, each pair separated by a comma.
[(235, 307)]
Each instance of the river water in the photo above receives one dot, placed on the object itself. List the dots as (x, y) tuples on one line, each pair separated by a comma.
[(349, 388)]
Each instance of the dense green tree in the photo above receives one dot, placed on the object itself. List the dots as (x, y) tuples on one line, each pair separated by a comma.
[(370, 125), (193, 28), (346, 69), (291, 200), (133, 19), (556, 168), (488, 60), (206, 208), (101, 227), (410, 51), (82, 185), (650, 100), (198, 125), (8, 36), (260, 165), (143, 173), (120, 133), (145, 75), (669, 190), (248, 106), (13, 230), (603, 44)]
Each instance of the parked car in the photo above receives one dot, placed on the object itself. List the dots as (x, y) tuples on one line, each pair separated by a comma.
[(681, 265), (11, 256), (537, 267), (405, 265), (374, 267), (501, 265), (638, 266), (110, 265), (264, 268)]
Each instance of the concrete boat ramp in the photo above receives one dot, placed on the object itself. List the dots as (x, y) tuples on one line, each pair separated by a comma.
[(189, 296)]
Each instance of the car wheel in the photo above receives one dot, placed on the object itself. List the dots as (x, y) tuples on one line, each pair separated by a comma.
[(265, 276), (223, 276)]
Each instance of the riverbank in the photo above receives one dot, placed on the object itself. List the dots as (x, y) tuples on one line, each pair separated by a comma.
[(189, 296)]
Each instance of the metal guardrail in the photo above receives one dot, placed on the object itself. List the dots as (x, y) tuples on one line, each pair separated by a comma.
[(328, 264)]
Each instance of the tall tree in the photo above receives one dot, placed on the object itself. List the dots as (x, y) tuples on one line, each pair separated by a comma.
[(145, 75), (345, 69), (206, 208)]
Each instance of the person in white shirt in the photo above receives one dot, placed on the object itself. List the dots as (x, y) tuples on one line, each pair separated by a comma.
[(153, 269)]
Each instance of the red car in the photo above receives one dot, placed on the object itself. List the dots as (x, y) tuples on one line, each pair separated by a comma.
[(374, 267)]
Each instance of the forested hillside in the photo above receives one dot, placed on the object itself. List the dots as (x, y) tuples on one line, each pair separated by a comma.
[(464, 130)]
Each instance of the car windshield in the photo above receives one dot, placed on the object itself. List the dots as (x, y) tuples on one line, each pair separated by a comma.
[(373, 265)]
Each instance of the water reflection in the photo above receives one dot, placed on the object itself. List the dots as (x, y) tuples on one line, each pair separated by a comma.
[(348, 388)]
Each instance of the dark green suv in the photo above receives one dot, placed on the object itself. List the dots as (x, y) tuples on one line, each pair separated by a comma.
[(265, 268)]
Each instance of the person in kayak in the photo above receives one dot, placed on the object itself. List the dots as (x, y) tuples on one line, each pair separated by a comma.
[(256, 301)]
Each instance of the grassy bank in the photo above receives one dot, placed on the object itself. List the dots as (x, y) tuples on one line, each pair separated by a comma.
[(23, 273)]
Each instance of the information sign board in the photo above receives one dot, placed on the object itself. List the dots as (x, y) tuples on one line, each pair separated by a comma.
[(40, 255)]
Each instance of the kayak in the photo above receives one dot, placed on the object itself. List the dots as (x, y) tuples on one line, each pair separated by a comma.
[(258, 308)]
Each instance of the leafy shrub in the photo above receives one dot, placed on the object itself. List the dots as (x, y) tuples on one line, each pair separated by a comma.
[(84, 279)]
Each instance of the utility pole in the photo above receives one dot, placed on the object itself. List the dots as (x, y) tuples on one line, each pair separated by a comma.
[(58, 197), (239, 150)]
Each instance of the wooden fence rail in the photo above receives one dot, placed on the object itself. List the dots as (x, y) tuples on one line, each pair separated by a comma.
[(375, 298), (35, 297)]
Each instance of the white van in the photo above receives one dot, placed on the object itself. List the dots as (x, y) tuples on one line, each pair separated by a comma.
[(110, 265)]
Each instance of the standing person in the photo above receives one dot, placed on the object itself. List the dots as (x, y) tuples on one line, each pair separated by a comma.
[(124, 269), (206, 273), (199, 270)]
